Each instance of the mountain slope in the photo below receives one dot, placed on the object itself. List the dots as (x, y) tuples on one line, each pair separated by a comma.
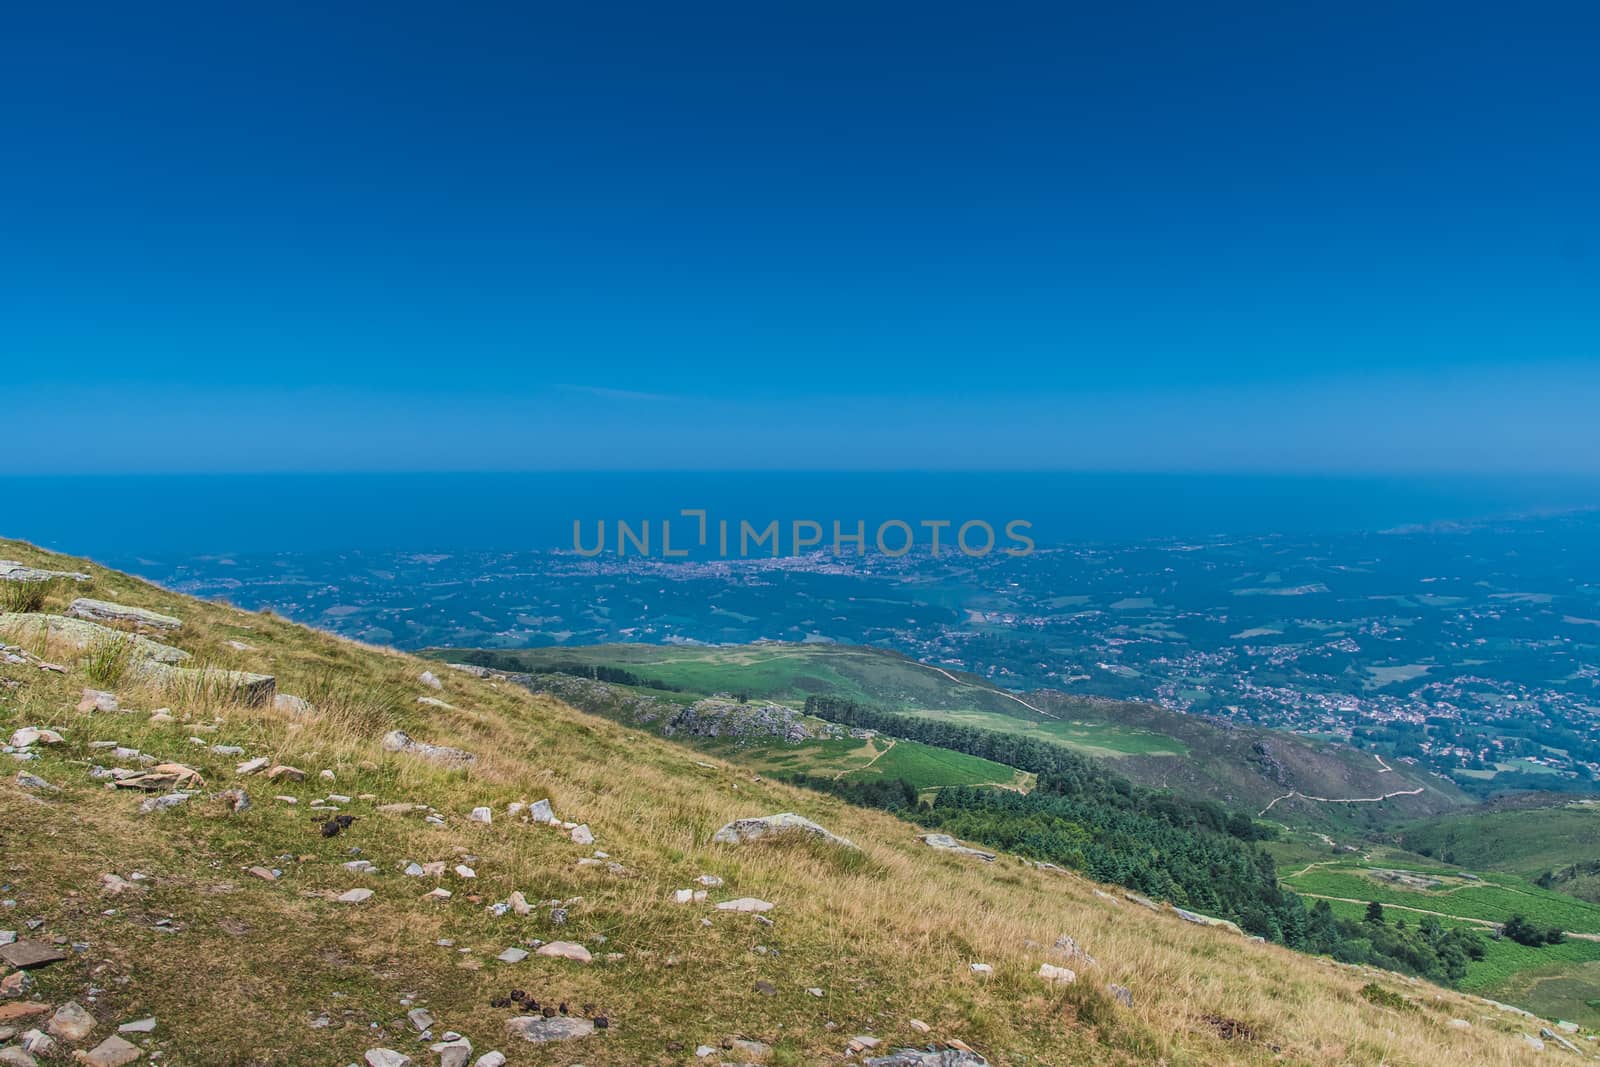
[(159, 914)]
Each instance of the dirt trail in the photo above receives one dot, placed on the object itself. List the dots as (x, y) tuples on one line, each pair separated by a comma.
[(992, 689), (870, 762), (1341, 800)]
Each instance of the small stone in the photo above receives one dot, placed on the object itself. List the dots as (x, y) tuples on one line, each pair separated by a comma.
[(290, 704), (283, 772), (431, 680), (541, 811), (354, 896), (27, 953), (386, 1057), (71, 1022), (512, 955), (919, 1026), (16, 1057), (983, 970), (482, 815), (582, 835), (251, 766), (34, 784), (112, 1052), (815, 991), (138, 1026), (1121, 994), (1051, 973), (420, 1018), (682, 896), (710, 881), (16, 984), (454, 1052), (491, 1059), (463, 871), (746, 905), (567, 950), (538, 1029)]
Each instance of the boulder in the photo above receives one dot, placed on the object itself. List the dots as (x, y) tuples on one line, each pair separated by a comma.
[(946, 843), (1206, 920), (243, 687), (81, 634), (431, 680), (112, 1052), (106, 611), (910, 1057), (12, 571), (748, 905), (538, 1029), (71, 1023), (1051, 973), (400, 741), (566, 950), (743, 831)]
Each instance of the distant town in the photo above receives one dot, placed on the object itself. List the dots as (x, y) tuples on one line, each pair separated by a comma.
[(1472, 650)]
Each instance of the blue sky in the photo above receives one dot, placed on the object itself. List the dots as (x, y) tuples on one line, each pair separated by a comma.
[(1156, 237)]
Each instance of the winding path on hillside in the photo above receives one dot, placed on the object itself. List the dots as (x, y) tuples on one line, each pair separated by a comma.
[(1341, 800), (996, 690)]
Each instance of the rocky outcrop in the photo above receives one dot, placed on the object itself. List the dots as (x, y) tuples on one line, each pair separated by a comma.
[(910, 1057), (743, 831), (12, 571), (1206, 920), (254, 690), (946, 843), (400, 741), (106, 611), (81, 633)]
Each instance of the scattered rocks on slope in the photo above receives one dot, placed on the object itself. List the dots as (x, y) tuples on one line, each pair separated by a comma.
[(106, 611), (400, 741), (743, 831), (946, 843)]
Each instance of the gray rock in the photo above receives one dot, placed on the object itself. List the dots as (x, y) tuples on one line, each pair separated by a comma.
[(164, 802), (34, 784), (431, 680), (742, 831), (946, 843), (453, 1053), (491, 1059), (1121, 994), (513, 955), (1206, 920), (290, 704), (139, 1026), (910, 1057), (252, 690), (16, 1057), (106, 611), (541, 811), (71, 1022), (12, 571), (81, 633), (400, 741), (537, 1029), (386, 1057)]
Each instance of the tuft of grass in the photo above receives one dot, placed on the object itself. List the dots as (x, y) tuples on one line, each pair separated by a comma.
[(1373, 993), (24, 597), (107, 661), (357, 709)]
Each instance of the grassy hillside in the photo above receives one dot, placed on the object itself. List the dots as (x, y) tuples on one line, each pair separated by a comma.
[(1241, 767), (1561, 840), (226, 925)]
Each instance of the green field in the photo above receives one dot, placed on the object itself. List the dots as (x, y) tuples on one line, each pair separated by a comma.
[(1093, 738), (925, 767), (1526, 841), (1494, 898), (1555, 981)]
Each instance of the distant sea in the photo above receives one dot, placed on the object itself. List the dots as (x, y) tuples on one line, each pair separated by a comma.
[(119, 518)]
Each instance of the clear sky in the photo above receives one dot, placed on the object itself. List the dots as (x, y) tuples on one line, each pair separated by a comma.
[(1176, 236)]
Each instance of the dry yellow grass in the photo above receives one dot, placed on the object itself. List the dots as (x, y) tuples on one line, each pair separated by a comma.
[(236, 969)]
